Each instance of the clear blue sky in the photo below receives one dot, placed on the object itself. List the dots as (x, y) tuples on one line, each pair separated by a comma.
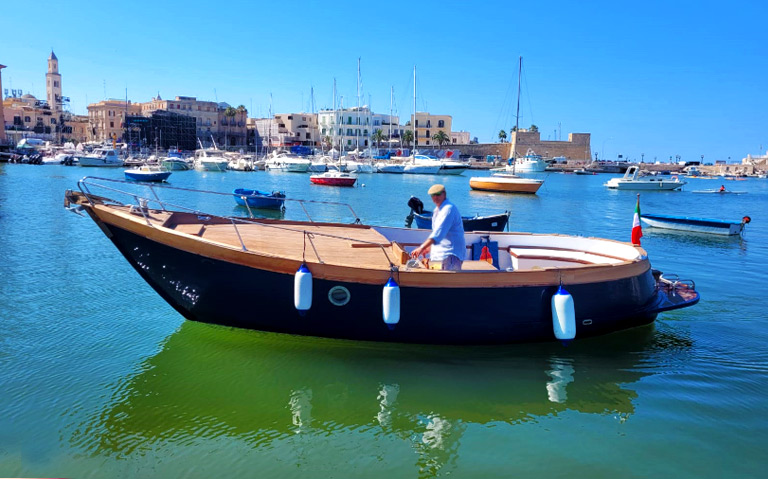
[(660, 78)]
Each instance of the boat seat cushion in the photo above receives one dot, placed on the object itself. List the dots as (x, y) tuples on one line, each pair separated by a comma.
[(493, 248)]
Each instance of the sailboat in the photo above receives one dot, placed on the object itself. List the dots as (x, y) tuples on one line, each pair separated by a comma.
[(508, 182)]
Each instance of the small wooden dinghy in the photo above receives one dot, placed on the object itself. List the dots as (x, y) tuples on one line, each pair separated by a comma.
[(356, 281), (696, 225)]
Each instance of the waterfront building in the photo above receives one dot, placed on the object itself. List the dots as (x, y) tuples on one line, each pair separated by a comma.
[(283, 131), (214, 122), (161, 130), (576, 148), (78, 128), (460, 137), (352, 128), (27, 117), (107, 118), (427, 125)]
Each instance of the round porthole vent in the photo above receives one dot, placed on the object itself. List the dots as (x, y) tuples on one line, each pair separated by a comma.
[(339, 296)]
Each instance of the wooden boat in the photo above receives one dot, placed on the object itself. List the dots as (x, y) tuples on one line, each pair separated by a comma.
[(471, 223), (259, 199), (697, 225), (633, 181), (339, 280), (334, 178), (505, 183), (147, 173)]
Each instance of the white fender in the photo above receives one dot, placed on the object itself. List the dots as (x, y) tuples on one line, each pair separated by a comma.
[(302, 288), (563, 315), (391, 303)]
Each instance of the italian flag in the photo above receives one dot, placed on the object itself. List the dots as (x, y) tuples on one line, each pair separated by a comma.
[(637, 230)]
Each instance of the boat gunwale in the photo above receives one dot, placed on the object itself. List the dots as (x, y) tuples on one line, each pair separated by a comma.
[(110, 215)]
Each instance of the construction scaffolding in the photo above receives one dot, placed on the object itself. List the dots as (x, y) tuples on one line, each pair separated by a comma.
[(161, 131)]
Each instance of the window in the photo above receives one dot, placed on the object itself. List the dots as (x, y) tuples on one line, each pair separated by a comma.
[(365, 132), (427, 142), (111, 124), (429, 123), (53, 121), (56, 84), (427, 135), (27, 119), (309, 136), (349, 120), (417, 123), (441, 124)]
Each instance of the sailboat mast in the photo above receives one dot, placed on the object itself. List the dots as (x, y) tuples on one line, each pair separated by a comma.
[(357, 132), (335, 118), (413, 123), (391, 95), (517, 114)]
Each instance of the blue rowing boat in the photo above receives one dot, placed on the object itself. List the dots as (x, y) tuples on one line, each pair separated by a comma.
[(259, 199), (696, 225)]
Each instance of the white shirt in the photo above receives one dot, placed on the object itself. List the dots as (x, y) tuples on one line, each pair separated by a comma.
[(448, 233)]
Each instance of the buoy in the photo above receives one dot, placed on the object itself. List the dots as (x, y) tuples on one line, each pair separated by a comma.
[(302, 289), (391, 303), (563, 315)]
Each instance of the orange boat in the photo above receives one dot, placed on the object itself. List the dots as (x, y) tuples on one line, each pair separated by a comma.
[(505, 184)]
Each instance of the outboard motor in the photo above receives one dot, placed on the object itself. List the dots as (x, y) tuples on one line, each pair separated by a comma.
[(416, 205)]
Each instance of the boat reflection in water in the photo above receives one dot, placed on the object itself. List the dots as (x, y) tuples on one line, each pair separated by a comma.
[(249, 390)]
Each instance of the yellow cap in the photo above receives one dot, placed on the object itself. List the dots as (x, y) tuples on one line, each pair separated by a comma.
[(436, 190)]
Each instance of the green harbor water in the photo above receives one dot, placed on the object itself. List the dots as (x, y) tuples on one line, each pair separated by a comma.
[(99, 377)]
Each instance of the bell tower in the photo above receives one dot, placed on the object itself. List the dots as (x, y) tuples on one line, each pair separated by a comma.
[(53, 83)]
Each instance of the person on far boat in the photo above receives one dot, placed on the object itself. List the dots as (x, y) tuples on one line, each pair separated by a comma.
[(722, 188), (446, 245)]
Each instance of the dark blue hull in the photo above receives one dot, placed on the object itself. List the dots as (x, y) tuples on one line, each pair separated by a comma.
[(215, 291), (477, 223), (258, 199)]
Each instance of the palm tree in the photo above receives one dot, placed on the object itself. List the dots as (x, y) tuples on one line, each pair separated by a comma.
[(442, 138), (327, 142), (378, 136), (230, 113), (502, 136), (534, 128), (407, 137)]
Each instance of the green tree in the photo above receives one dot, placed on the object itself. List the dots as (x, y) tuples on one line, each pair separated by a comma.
[(502, 136), (442, 138), (534, 128), (513, 129), (378, 136), (327, 142), (407, 138)]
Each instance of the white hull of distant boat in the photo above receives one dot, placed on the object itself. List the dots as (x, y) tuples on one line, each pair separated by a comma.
[(212, 164), (392, 168), (101, 158), (288, 165), (421, 169), (175, 164), (450, 167), (632, 181), (528, 164), (696, 225)]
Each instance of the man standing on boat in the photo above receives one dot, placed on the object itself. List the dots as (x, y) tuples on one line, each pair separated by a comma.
[(446, 246)]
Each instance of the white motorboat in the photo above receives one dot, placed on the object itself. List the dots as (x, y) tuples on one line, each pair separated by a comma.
[(239, 162), (530, 163), (101, 157), (633, 181), (175, 164), (452, 167), (388, 167), (287, 162), (211, 159)]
